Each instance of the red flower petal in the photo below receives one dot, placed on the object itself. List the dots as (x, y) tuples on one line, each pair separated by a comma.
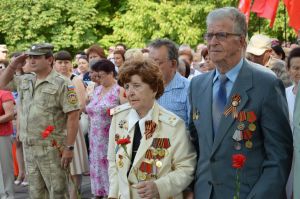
[(123, 141), (238, 161)]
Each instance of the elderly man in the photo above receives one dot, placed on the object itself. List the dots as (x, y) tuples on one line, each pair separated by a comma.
[(240, 126), (48, 121), (165, 53)]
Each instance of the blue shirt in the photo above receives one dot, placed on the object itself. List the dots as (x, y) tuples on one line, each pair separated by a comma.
[(231, 75), (175, 97)]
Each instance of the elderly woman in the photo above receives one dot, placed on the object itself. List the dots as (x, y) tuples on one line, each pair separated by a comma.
[(105, 97), (149, 152)]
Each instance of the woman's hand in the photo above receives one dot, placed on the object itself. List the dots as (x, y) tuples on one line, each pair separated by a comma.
[(147, 190)]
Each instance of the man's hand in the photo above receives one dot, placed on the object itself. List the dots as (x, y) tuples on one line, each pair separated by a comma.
[(66, 158), (147, 189), (18, 62)]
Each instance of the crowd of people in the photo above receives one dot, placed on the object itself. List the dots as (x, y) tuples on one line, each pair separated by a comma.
[(220, 121)]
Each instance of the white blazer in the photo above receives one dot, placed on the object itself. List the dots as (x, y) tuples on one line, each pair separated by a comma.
[(172, 172)]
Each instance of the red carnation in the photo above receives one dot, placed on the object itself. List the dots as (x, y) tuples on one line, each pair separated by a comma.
[(50, 128), (123, 141), (47, 131), (108, 111), (238, 161)]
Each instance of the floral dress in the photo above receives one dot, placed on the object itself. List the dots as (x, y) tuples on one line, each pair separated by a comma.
[(98, 111)]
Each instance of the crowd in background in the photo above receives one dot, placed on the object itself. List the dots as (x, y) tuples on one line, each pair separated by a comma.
[(94, 73)]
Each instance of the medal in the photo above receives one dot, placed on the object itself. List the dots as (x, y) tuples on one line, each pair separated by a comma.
[(237, 146), (150, 127), (241, 126), (237, 136), (249, 144), (247, 135), (235, 101), (252, 127), (161, 153), (242, 116), (166, 152), (195, 114), (158, 163), (120, 163), (251, 117), (123, 124), (142, 176), (155, 152)]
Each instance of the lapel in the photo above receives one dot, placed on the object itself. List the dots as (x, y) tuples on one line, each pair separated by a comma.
[(242, 84), (202, 102), (145, 144), (126, 160)]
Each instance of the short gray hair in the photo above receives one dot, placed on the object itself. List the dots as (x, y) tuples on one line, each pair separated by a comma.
[(170, 45), (238, 19)]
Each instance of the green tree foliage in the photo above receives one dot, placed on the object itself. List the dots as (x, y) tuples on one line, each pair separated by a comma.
[(142, 21), (66, 24), (76, 24)]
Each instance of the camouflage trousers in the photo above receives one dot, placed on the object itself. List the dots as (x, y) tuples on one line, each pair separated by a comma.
[(45, 176)]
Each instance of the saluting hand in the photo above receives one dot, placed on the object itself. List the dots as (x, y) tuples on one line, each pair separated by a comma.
[(147, 189), (18, 62)]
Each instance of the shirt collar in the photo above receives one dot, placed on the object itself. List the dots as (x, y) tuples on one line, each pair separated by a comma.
[(175, 82), (133, 117), (232, 73)]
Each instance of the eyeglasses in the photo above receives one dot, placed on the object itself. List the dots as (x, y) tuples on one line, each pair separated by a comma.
[(161, 62), (221, 36)]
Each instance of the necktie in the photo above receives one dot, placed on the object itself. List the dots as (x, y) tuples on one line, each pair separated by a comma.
[(136, 143), (136, 140), (219, 102)]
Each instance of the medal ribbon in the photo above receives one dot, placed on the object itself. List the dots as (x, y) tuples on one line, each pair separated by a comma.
[(235, 100), (150, 127), (146, 167)]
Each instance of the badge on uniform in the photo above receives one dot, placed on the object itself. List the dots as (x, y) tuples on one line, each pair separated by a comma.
[(235, 101), (120, 161), (123, 124), (196, 114), (150, 127), (71, 95), (245, 129)]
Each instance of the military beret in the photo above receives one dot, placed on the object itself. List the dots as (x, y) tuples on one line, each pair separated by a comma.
[(40, 49)]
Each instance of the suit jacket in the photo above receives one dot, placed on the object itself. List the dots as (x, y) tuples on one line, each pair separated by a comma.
[(268, 163), (178, 164), (296, 133)]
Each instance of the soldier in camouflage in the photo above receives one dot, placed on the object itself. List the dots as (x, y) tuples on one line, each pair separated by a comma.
[(47, 99)]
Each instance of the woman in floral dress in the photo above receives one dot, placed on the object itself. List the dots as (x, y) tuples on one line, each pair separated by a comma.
[(106, 96)]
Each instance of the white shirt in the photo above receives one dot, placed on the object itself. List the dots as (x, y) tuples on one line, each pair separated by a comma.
[(290, 96)]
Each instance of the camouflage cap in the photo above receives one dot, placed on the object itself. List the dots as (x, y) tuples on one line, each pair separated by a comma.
[(40, 49)]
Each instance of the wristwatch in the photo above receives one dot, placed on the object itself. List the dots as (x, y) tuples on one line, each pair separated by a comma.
[(70, 147)]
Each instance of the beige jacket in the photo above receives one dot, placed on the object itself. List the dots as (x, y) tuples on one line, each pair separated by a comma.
[(172, 173)]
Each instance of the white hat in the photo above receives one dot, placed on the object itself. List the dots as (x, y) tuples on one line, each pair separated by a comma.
[(258, 44)]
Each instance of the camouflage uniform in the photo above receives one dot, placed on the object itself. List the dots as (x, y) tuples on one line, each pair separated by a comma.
[(44, 103)]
